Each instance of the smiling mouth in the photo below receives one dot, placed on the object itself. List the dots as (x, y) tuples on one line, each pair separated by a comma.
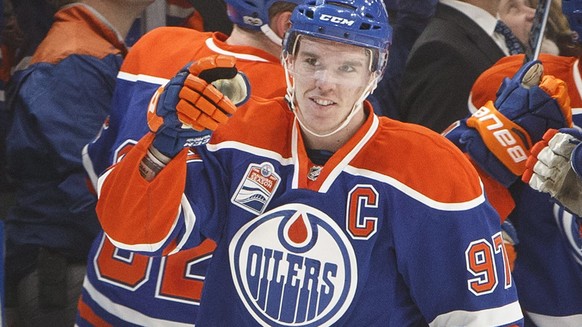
[(322, 102)]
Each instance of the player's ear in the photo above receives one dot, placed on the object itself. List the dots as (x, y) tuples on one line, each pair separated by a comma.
[(280, 23)]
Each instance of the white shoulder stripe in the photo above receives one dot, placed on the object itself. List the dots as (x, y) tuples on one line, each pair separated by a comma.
[(88, 165), (577, 77), (358, 172), (471, 107), (459, 206), (489, 317), (141, 77), (210, 44), (250, 149), (189, 222)]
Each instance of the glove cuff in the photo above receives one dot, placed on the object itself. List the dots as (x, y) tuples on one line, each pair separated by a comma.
[(167, 144), (505, 139)]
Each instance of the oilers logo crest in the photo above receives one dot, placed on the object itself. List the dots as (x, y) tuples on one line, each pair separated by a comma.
[(570, 226), (293, 266), (257, 188)]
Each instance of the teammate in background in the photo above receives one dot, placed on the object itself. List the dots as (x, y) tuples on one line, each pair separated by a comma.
[(60, 102), (213, 14), (123, 287), (549, 255), (34, 19), (323, 212), (201, 15)]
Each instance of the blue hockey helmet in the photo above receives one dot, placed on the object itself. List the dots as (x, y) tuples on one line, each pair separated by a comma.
[(252, 14), (572, 9), (356, 22)]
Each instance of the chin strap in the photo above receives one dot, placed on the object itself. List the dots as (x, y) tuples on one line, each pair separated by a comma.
[(355, 108), (359, 104), (271, 35)]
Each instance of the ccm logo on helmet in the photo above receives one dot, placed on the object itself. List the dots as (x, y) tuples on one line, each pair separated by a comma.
[(337, 20)]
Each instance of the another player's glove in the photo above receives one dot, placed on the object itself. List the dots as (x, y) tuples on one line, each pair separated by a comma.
[(499, 135), (188, 108), (555, 167)]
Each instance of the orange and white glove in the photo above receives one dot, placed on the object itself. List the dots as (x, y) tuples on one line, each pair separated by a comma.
[(555, 167)]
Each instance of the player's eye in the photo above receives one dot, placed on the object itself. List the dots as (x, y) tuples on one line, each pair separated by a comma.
[(347, 68), (312, 61)]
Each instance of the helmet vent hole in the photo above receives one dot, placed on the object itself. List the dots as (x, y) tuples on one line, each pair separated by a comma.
[(365, 26), (343, 5)]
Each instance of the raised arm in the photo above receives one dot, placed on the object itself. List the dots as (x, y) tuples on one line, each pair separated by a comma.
[(139, 198)]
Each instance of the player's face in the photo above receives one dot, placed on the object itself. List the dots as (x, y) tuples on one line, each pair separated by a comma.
[(330, 77)]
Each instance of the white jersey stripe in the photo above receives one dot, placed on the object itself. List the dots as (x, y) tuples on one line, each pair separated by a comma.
[(358, 172), (124, 313), (490, 317), (550, 321), (141, 77)]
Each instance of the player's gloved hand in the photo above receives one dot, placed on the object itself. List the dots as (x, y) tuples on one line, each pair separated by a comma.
[(499, 135), (188, 108), (555, 167)]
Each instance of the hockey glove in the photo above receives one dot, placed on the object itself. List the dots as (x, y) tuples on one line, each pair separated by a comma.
[(555, 167), (499, 135), (188, 108)]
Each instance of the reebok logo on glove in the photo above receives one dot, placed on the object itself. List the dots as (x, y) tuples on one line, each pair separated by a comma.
[(507, 140)]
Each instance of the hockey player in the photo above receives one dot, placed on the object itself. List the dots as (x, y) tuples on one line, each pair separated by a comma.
[(59, 102), (123, 287), (323, 213), (549, 254)]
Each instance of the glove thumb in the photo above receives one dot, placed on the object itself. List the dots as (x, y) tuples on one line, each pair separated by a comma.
[(221, 72)]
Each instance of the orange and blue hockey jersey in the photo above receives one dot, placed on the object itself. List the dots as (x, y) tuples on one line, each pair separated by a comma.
[(548, 268), (393, 230), (59, 103), (124, 287)]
